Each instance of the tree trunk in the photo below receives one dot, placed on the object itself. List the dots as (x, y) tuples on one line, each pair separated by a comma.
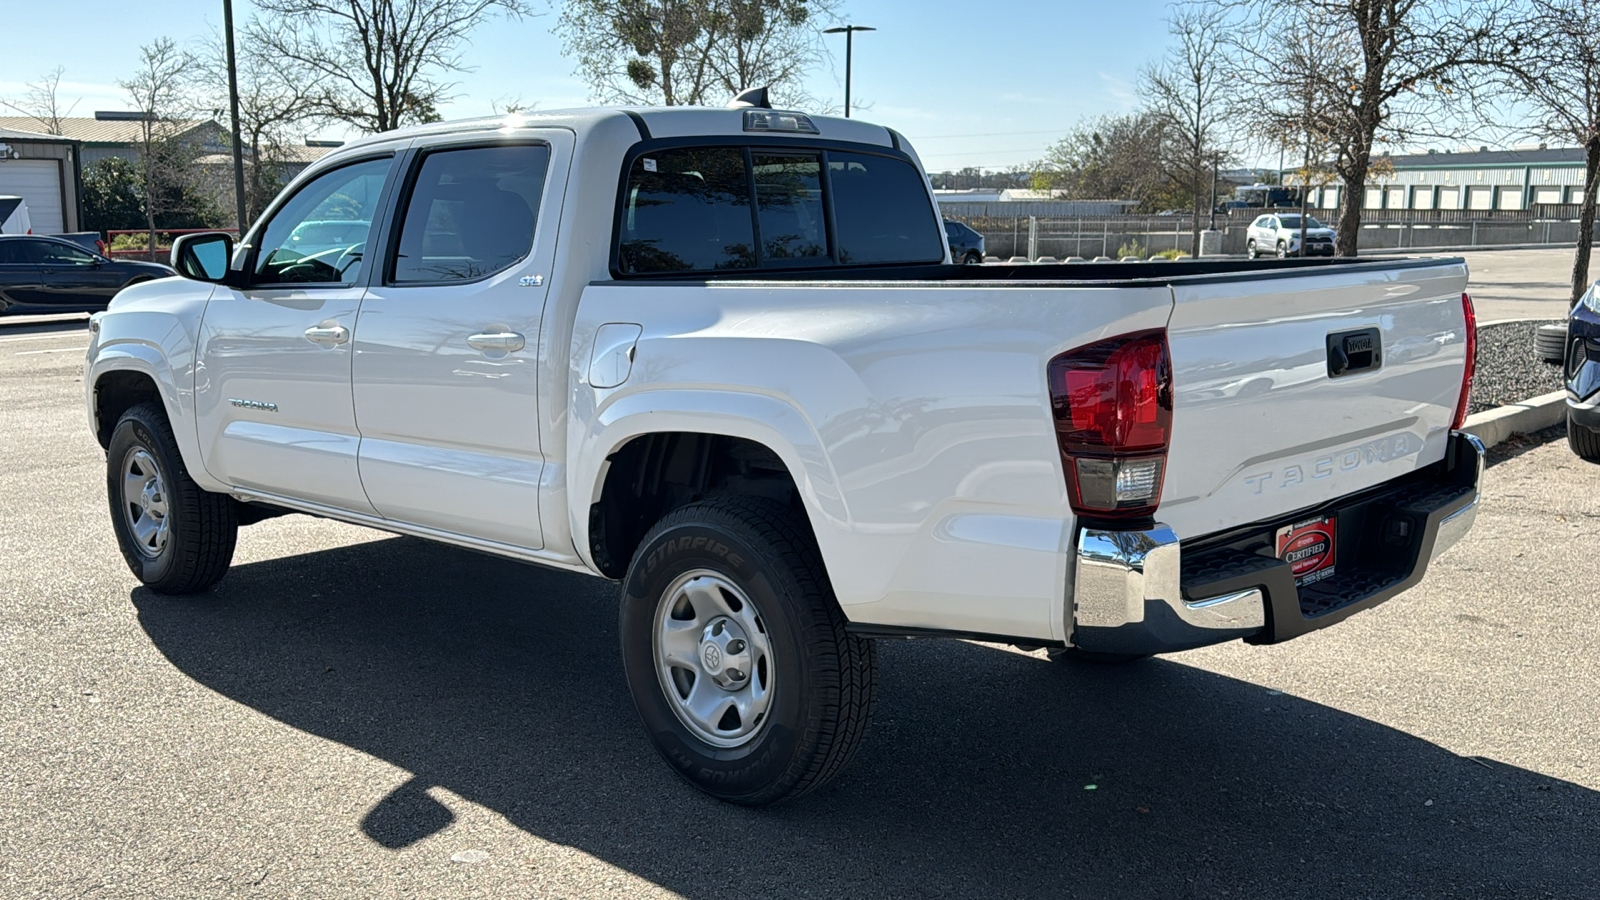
[(1199, 214), (1580, 259), (1355, 193)]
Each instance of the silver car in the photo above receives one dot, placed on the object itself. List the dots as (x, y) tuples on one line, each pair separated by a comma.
[(1279, 233)]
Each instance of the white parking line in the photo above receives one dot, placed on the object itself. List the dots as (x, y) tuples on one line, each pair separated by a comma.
[(52, 350), (40, 337)]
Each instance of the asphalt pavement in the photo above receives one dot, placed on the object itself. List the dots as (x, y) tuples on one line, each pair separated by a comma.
[(354, 714)]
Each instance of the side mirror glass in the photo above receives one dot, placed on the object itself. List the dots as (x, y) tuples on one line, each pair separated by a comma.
[(203, 257)]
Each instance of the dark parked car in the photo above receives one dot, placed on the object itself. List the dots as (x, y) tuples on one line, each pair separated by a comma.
[(46, 274), (1581, 368), (966, 245)]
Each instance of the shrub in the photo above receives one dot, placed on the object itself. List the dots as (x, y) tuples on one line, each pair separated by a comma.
[(1131, 248)]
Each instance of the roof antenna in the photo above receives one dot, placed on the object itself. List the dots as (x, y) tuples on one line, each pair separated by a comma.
[(751, 97)]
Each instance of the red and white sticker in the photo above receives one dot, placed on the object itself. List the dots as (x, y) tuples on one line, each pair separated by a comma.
[(1308, 549)]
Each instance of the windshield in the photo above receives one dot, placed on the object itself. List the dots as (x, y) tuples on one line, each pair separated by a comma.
[(1294, 222)]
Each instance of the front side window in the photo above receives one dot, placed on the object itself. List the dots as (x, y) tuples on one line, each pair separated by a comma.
[(471, 213), (62, 255), (687, 211), (320, 235), (882, 210)]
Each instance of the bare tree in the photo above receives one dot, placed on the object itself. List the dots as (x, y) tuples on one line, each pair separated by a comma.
[(378, 62), (1393, 70), (1560, 87), (159, 89), (1190, 90), (1112, 157), (42, 102), (277, 98), (693, 52)]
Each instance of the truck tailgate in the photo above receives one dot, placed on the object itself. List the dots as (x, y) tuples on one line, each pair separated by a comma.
[(1261, 427)]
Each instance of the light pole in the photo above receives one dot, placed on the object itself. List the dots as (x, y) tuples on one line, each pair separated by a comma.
[(233, 104), (849, 32)]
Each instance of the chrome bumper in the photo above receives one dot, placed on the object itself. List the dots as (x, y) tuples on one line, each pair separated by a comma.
[(1129, 592)]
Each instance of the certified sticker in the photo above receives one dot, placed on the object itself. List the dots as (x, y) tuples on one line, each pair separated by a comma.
[(1308, 549)]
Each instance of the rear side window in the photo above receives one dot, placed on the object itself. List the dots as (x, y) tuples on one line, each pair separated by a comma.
[(688, 210), (882, 211), (721, 208), (20, 253), (471, 213)]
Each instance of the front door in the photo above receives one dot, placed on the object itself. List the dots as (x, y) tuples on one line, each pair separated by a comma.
[(446, 349), (272, 381), (73, 278)]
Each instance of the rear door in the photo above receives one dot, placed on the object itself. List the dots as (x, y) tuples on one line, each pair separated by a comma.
[(19, 273), (446, 348), (1261, 425)]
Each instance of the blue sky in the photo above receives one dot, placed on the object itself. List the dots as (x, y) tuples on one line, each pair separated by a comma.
[(969, 82)]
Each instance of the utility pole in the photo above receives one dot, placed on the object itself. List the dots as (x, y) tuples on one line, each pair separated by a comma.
[(849, 32), (233, 105)]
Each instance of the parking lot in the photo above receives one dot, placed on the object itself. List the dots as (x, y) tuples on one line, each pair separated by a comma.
[(355, 714)]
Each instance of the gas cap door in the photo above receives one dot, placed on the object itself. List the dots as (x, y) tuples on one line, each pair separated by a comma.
[(612, 359)]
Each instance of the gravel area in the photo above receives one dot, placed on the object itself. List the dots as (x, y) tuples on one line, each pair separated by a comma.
[(1508, 370)]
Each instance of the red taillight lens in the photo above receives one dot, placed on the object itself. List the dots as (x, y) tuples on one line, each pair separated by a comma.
[(1112, 403), (1472, 363)]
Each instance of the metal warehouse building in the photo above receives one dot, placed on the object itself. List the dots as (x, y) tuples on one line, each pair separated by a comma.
[(43, 170), (1471, 180)]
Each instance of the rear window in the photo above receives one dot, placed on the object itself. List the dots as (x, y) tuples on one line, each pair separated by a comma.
[(721, 208)]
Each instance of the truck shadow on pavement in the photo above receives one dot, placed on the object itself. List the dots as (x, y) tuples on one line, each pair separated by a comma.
[(502, 683)]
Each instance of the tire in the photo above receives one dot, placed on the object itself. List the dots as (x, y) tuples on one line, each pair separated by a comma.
[(750, 567), (1250, 248), (1283, 250), (1583, 440), (1090, 657), (1550, 343), (972, 259), (175, 537)]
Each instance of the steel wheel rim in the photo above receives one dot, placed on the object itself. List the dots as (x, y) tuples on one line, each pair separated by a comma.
[(713, 659), (144, 502)]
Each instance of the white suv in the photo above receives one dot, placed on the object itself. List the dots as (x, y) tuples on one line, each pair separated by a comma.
[(1280, 234)]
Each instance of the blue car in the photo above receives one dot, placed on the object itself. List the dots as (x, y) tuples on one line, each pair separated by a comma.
[(1582, 370)]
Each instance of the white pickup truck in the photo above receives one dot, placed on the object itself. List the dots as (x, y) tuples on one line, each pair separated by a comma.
[(722, 356)]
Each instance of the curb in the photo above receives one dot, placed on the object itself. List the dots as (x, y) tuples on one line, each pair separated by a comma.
[(1493, 426)]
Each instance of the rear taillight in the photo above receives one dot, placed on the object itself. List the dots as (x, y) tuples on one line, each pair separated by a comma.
[(1472, 363), (1112, 403)]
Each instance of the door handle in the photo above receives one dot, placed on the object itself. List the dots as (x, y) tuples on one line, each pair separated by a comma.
[(497, 341), (327, 335)]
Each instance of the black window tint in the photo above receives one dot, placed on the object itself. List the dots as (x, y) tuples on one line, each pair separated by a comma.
[(882, 211), (320, 235), (471, 213), (789, 210), (687, 210), (19, 253)]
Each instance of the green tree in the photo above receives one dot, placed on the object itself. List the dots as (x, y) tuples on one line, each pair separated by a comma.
[(693, 52), (1114, 157), (111, 198)]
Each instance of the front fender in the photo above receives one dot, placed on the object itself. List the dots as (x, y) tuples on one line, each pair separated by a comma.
[(160, 346), (767, 420)]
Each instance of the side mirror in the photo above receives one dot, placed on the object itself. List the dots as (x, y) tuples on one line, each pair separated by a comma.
[(203, 257)]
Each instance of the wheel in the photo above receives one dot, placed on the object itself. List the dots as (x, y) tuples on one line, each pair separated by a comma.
[(972, 259), (736, 653), (1550, 343), (1250, 248), (1283, 250), (1583, 440), (1075, 655), (177, 538)]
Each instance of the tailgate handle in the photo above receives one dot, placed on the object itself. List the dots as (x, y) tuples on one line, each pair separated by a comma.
[(1350, 352)]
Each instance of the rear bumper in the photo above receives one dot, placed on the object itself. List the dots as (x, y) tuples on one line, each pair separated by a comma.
[(1140, 592)]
